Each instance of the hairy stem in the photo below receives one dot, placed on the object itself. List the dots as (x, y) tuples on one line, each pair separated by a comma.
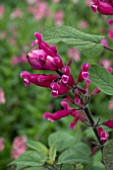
[(108, 48), (93, 125)]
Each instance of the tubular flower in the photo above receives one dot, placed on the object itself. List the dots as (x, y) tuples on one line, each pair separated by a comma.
[(68, 110), (84, 74), (102, 134), (109, 124), (43, 80), (46, 57), (105, 7)]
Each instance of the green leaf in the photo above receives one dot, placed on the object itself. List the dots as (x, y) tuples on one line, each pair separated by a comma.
[(29, 159), (97, 168), (101, 78), (39, 147), (108, 155), (36, 168), (88, 44), (52, 154), (67, 167), (61, 140), (78, 153)]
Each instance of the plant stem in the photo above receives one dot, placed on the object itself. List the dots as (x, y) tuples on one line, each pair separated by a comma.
[(108, 48), (93, 125)]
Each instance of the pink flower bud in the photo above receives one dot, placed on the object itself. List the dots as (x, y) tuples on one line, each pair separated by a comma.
[(36, 59), (72, 125), (103, 135), (56, 116), (95, 92), (109, 124), (42, 80), (66, 70), (110, 22), (104, 7)]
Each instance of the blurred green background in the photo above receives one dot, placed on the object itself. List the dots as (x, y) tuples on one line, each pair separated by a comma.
[(21, 113)]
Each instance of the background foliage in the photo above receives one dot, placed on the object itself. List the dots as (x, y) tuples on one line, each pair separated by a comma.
[(22, 112)]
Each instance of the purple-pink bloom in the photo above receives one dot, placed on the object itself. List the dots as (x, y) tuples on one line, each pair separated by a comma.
[(59, 89), (43, 80), (68, 110), (110, 22), (104, 42), (105, 7), (102, 134), (46, 57), (109, 124), (84, 72)]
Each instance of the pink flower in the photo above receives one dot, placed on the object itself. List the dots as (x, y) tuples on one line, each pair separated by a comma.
[(95, 92), (2, 96), (46, 57), (109, 124), (111, 34), (104, 42), (84, 74), (43, 80), (103, 135), (74, 53), (18, 146), (77, 114), (59, 18), (110, 22), (59, 89), (105, 7), (1, 144)]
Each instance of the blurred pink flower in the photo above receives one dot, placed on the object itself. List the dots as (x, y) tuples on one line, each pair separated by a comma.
[(2, 11), (104, 42), (40, 10), (106, 63), (110, 105), (55, 1), (59, 16), (111, 33), (17, 60), (83, 24), (110, 22), (1, 144), (2, 96), (74, 53), (18, 146), (17, 13)]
